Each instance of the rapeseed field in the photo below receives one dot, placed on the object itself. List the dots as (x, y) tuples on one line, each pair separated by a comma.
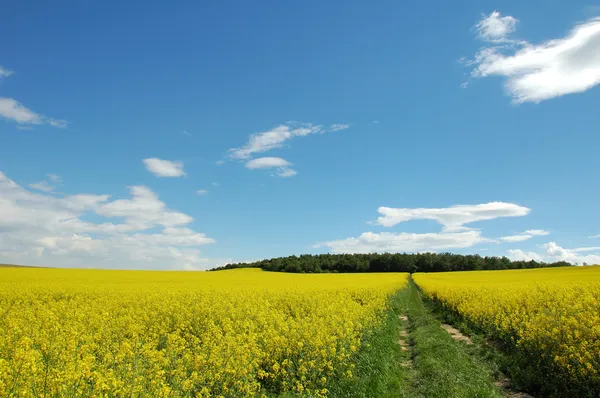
[(240, 333), (550, 316)]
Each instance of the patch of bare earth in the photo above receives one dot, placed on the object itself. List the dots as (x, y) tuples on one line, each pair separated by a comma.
[(504, 384), (456, 334), (403, 342)]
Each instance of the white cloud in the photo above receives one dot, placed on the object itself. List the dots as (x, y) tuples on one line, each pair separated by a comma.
[(61, 124), (558, 253), (585, 249), (536, 232), (282, 166), (530, 233), (144, 210), (267, 162), (339, 127), (286, 172), (201, 192), (520, 255), (47, 185), (553, 253), (515, 238), (276, 137), (41, 229), (537, 72), (594, 237), (164, 168), (55, 178), (11, 109), (370, 242), (496, 28), (5, 72), (43, 186), (452, 218)]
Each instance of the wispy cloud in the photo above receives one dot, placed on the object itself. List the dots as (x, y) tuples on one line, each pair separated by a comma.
[(452, 218), (515, 238), (5, 72), (267, 162), (339, 127), (48, 185), (530, 233), (538, 72), (43, 186), (201, 192), (164, 168), (496, 28), (55, 178), (61, 124), (282, 166), (454, 234), (286, 172), (537, 232), (370, 242), (277, 136), (13, 110)]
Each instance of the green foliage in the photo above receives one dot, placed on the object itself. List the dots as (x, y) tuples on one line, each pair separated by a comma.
[(388, 262)]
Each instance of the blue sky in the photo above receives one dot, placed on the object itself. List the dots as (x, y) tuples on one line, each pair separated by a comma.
[(147, 135)]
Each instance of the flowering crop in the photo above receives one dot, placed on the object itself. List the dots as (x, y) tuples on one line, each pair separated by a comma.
[(68, 333), (551, 315)]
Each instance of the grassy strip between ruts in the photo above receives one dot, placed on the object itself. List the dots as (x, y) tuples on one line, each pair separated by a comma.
[(443, 367), (379, 371), (525, 371), (439, 366)]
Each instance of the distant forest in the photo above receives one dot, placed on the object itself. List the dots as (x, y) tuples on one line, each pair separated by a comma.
[(422, 262)]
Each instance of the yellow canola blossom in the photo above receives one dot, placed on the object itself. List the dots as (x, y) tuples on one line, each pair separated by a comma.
[(239, 333), (552, 314)]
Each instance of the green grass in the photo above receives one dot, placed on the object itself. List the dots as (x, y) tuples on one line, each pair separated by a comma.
[(526, 371), (441, 367), (378, 371)]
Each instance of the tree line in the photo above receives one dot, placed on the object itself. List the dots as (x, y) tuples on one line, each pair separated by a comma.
[(388, 262)]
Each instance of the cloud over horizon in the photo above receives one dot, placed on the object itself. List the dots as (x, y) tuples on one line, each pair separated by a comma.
[(451, 218), (137, 232)]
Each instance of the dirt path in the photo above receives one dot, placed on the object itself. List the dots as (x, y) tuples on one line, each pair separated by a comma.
[(456, 334), (404, 342)]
